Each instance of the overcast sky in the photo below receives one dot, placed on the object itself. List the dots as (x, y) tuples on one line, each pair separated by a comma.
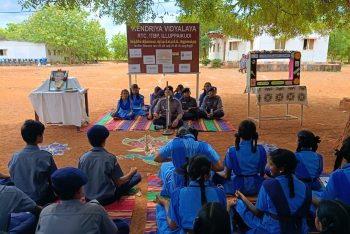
[(106, 22)]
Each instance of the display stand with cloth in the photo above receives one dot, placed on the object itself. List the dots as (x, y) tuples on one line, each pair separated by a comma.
[(67, 106), (279, 95)]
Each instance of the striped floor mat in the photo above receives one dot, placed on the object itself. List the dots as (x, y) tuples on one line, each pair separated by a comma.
[(122, 209), (154, 188), (141, 123)]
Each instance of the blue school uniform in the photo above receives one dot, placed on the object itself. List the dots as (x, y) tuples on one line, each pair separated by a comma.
[(152, 97), (137, 103), (201, 98), (180, 150), (124, 109), (30, 170), (247, 167), (338, 186), (274, 200), (309, 168), (184, 206), (14, 200), (178, 96)]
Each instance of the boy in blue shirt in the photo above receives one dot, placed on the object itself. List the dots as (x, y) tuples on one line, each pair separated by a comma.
[(107, 182), (31, 168)]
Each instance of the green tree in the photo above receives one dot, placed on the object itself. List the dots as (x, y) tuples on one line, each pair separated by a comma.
[(204, 45), (119, 46), (241, 18), (68, 31), (339, 44)]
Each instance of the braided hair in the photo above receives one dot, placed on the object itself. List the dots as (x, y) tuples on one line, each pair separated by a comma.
[(306, 139), (127, 99), (334, 216), (286, 159), (198, 168), (212, 218), (247, 131), (344, 152), (135, 87)]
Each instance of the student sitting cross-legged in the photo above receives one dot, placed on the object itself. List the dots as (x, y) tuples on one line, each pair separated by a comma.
[(124, 108), (107, 182), (310, 164), (189, 105), (72, 214), (18, 213), (175, 155), (178, 215), (283, 202), (211, 107), (30, 168), (245, 162)]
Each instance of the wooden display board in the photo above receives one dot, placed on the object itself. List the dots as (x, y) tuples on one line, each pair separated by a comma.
[(160, 48), (294, 68)]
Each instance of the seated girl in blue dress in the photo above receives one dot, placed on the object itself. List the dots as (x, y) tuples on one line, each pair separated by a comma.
[(178, 215), (338, 186), (123, 110), (244, 163), (137, 101), (283, 202), (310, 164)]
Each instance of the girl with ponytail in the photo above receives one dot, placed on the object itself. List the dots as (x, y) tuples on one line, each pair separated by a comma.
[(310, 165), (244, 163), (283, 202), (338, 186), (179, 214)]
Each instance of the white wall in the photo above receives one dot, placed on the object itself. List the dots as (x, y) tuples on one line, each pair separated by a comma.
[(265, 42), (23, 50)]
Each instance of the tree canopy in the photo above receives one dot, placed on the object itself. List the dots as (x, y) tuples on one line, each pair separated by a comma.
[(119, 47), (241, 18), (68, 31)]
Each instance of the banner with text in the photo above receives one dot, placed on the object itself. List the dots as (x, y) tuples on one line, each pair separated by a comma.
[(163, 48)]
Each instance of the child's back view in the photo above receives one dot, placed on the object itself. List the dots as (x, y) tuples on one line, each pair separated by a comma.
[(310, 164), (31, 168), (107, 181)]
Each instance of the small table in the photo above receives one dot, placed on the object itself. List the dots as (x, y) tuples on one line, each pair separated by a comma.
[(285, 95), (66, 107)]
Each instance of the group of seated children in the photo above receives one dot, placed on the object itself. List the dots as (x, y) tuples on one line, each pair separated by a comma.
[(202, 188), (38, 183), (182, 105), (193, 176)]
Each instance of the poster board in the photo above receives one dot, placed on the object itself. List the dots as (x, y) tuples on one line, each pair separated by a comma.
[(294, 68), (158, 48)]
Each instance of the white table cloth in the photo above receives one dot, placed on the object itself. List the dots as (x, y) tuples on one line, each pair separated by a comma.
[(62, 107)]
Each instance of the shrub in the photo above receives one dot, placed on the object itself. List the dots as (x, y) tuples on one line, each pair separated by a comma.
[(216, 63), (206, 61)]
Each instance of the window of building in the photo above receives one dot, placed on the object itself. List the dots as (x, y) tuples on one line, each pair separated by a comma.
[(213, 48), (309, 44), (280, 44), (3, 52), (233, 45), (218, 47)]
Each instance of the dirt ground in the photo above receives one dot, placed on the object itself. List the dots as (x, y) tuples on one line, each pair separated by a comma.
[(105, 81)]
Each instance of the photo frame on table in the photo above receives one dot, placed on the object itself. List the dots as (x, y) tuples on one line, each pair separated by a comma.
[(58, 80)]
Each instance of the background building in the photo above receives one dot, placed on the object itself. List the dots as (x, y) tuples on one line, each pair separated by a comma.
[(313, 47)]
